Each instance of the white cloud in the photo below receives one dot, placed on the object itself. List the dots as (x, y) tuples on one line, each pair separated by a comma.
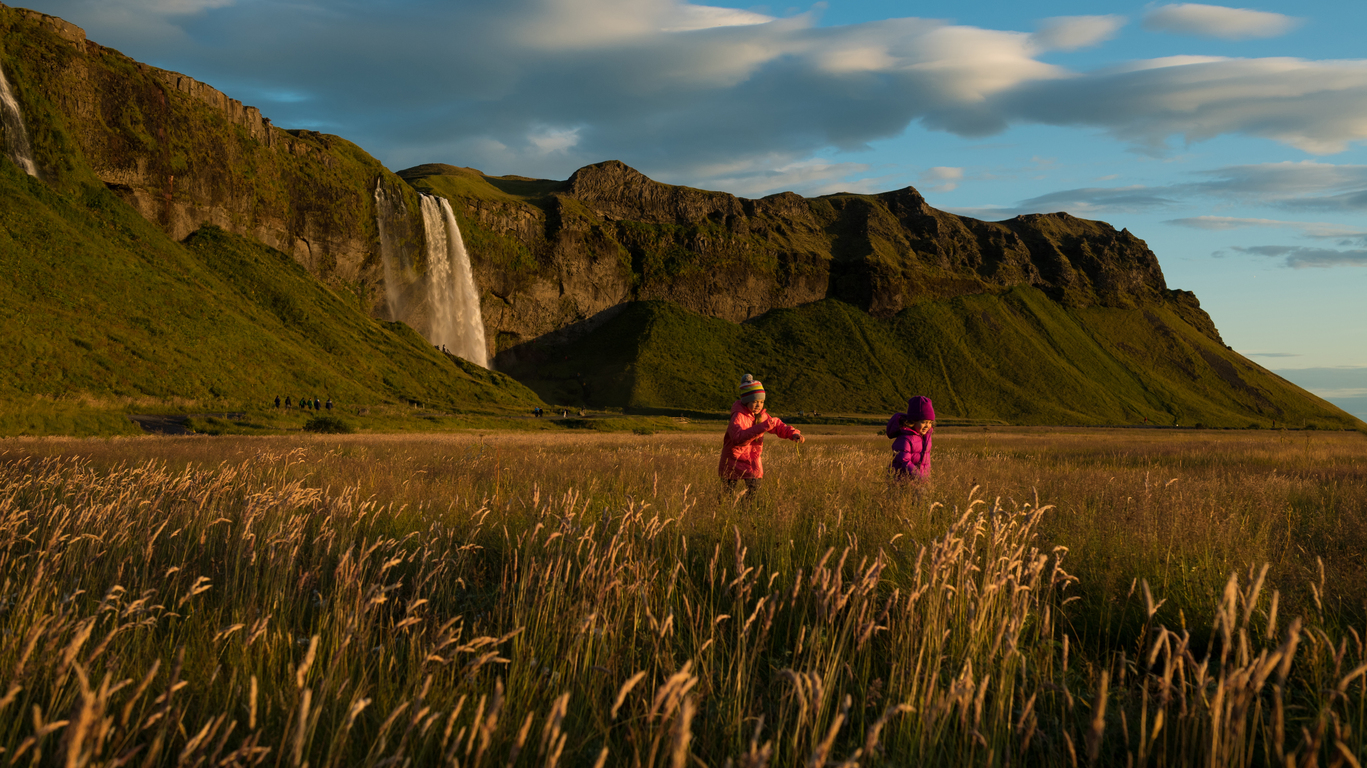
[(810, 177), (1069, 33), (1217, 21), (1301, 257), (181, 7), (1310, 229), (942, 179), (1086, 202), (1297, 186), (549, 140), (692, 17), (1318, 107)]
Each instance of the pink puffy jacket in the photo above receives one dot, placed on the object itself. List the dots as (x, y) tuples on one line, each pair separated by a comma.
[(744, 442)]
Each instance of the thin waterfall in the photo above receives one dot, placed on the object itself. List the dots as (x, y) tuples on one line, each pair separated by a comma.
[(456, 323), (395, 271), (16, 138)]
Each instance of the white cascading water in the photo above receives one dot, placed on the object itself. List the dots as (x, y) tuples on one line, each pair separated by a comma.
[(456, 322), (389, 258), (16, 138)]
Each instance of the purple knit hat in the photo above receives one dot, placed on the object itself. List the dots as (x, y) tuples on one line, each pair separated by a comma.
[(919, 408)]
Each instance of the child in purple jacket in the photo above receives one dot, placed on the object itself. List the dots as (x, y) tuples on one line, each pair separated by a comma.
[(911, 433)]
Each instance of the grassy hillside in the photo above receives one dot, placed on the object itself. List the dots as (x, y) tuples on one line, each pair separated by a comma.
[(184, 155), (1017, 357), (102, 311)]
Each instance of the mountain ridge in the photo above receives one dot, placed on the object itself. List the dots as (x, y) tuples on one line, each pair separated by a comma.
[(563, 266)]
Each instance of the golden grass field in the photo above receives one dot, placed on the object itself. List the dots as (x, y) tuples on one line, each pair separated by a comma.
[(1052, 597)]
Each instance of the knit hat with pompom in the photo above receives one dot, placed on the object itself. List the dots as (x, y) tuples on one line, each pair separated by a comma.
[(751, 390)]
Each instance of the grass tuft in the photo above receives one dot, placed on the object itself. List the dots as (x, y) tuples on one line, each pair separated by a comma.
[(328, 425)]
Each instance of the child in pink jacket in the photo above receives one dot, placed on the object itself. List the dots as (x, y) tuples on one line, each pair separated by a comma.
[(912, 432), (744, 440)]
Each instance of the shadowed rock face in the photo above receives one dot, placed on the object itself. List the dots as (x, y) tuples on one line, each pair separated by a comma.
[(609, 235)]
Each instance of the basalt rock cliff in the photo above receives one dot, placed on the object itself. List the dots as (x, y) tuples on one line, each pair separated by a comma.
[(548, 255), (557, 255)]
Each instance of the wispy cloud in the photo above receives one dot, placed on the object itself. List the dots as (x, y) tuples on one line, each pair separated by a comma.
[(809, 177), (1310, 229), (942, 178), (1084, 202), (1069, 33), (1293, 187), (1217, 21), (1316, 106), (1301, 257)]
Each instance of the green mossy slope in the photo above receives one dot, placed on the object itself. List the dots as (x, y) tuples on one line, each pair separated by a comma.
[(1016, 357), (97, 304)]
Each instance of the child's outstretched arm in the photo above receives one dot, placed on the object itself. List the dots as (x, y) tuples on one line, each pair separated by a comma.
[(784, 431)]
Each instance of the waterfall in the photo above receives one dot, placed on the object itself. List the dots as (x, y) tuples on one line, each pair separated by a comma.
[(16, 138), (397, 273), (442, 303), (455, 320)]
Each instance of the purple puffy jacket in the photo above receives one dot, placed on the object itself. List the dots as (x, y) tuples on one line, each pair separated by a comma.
[(911, 452)]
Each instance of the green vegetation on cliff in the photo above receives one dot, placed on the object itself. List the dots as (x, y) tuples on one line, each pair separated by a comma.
[(101, 310), (184, 155), (1016, 357)]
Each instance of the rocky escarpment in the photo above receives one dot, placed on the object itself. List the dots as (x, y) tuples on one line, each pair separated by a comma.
[(551, 257), (185, 155), (560, 256)]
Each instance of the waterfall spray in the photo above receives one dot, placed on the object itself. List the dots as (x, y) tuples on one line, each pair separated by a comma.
[(385, 211), (456, 321), (16, 138)]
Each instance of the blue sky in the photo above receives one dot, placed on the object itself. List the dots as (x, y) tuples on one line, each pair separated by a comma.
[(1233, 139)]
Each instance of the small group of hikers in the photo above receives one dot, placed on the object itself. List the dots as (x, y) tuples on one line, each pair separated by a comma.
[(743, 445), (305, 402)]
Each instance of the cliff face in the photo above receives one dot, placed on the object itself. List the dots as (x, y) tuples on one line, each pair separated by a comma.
[(550, 257), (184, 155), (560, 256)]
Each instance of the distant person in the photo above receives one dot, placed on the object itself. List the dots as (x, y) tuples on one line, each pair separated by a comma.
[(329, 404), (317, 404), (743, 444), (277, 401), (287, 402), (912, 434)]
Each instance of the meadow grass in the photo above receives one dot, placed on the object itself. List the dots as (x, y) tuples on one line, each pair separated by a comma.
[(1054, 597)]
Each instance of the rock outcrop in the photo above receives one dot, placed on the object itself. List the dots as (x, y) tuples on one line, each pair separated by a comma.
[(551, 257), (559, 257), (184, 154)]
